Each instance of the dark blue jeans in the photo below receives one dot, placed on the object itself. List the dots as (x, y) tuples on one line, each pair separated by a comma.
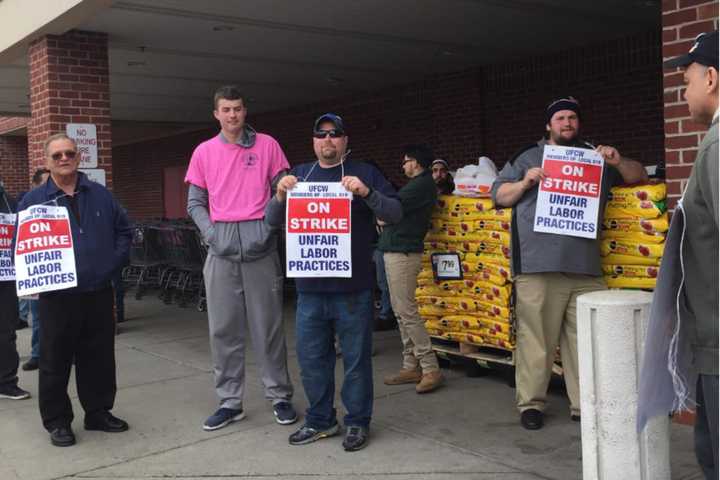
[(319, 317), (385, 306)]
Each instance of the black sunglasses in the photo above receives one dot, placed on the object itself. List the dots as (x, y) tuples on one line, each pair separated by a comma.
[(68, 153), (334, 133)]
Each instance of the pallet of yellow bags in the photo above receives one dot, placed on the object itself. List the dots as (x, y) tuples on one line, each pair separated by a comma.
[(470, 320), (633, 235)]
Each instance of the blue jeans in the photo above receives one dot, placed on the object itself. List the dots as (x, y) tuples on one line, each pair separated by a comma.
[(35, 339), (385, 305), (319, 317)]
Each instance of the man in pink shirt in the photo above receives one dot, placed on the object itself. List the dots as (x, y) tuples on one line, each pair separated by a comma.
[(231, 177)]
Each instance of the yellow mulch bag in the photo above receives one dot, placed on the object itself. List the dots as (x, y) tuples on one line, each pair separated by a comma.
[(458, 304), (502, 214), (634, 249), (492, 309), (617, 281), (432, 311), (435, 332), (638, 209), (444, 201), (640, 237), (441, 324), (488, 297), (435, 246), (472, 204), (496, 272), (500, 291), (427, 299), (619, 259), (487, 333), (485, 276), (425, 273), (477, 256), (478, 323), (434, 290), (489, 236), (654, 192), (496, 225), (476, 339), (648, 225), (631, 271)]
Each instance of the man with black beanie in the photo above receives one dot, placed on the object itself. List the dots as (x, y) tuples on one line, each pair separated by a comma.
[(550, 271)]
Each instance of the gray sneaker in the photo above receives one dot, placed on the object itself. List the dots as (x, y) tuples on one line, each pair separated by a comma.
[(307, 434)]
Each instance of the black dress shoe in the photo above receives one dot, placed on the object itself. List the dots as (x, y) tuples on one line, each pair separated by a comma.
[(532, 419), (105, 422), (32, 364), (62, 437)]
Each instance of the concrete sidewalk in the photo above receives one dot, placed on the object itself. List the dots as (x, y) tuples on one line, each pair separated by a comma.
[(467, 430)]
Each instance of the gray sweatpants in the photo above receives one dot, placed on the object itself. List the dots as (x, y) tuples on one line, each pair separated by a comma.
[(246, 297)]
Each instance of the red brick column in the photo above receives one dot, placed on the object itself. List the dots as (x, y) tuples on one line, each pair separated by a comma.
[(69, 83), (682, 21), (14, 164)]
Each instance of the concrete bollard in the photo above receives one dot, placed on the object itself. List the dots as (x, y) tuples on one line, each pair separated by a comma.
[(611, 336)]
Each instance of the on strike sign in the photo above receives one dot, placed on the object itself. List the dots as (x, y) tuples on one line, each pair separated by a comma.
[(44, 256), (569, 197), (318, 230), (7, 231)]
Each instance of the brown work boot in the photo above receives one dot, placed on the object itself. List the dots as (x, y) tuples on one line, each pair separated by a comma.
[(403, 376), (430, 381)]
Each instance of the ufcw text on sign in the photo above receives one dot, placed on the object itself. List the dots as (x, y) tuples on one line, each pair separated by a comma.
[(44, 256), (568, 199), (318, 231)]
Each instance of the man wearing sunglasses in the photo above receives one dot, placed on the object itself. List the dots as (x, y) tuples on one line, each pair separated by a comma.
[(338, 306), (550, 271), (231, 177), (78, 323), (402, 244)]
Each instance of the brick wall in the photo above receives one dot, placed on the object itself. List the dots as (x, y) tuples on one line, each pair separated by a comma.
[(13, 164), (682, 21), (491, 111), (69, 83), (8, 124)]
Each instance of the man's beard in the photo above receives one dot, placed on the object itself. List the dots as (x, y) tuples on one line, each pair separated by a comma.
[(566, 142)]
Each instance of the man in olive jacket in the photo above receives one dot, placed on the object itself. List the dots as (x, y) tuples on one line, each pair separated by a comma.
[(402, 244), (682, 337)]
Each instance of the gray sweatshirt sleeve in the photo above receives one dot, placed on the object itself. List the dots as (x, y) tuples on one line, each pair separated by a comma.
[(274, 213), (198, 206), (384, 207)]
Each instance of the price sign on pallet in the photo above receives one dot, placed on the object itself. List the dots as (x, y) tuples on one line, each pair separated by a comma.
[(446, 266)]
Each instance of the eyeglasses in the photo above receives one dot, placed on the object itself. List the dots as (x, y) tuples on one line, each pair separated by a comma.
[(68, 153), (334, 133)]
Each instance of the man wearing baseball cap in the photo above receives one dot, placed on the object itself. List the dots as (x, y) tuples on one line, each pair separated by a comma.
[(682, 338), (551, 271), (327, 307)]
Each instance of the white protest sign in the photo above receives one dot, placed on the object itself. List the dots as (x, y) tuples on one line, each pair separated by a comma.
[(7, 231), (85, 136), (568, 199), (44, 256), (318, 231)]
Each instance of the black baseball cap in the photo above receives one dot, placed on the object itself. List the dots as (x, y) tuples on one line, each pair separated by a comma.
[(332, 118), (704, 51)]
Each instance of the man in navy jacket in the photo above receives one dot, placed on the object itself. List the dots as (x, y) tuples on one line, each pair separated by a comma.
[(78, 322)]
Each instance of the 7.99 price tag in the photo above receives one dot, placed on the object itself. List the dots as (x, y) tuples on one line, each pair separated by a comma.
[(446, 266)]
